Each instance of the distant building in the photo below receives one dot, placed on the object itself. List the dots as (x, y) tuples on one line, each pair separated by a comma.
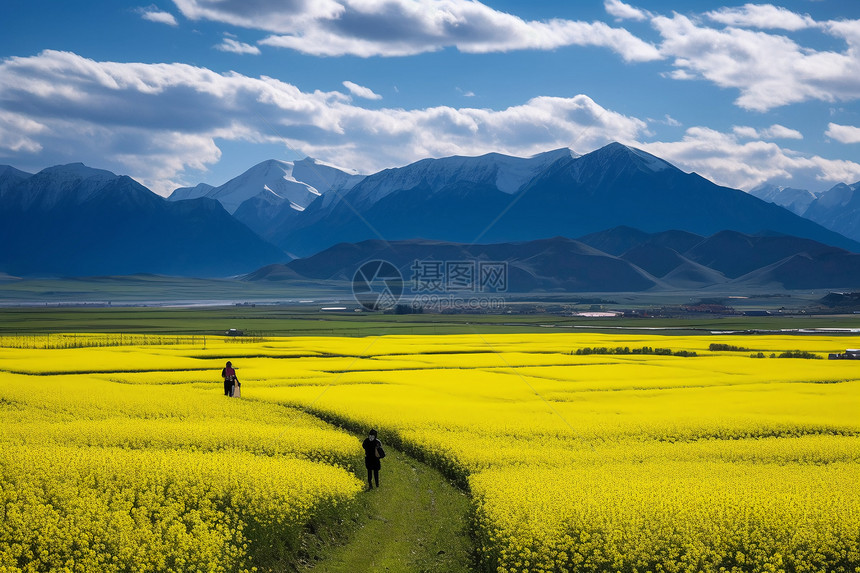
[(849, 354)]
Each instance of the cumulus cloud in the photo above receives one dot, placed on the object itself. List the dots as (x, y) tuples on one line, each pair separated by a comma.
[(765, 16), (360, 91), (848, 30), (406, 27), (775, 131), (153, 14), (18, 133), (725, 159), (843, 133), (667, 120), (623, 11), (745, 132), (743, 48), (232, 45), (154, 121), (769, 70)]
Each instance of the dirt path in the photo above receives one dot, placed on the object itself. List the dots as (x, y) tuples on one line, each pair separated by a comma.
[(416, 521)]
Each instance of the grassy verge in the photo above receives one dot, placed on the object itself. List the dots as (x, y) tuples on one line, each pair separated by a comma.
[(415, 521)]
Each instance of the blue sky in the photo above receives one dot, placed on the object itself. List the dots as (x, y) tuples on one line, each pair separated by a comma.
[(184, 91)]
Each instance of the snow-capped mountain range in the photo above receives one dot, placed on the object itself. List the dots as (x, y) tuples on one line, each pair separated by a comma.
[(506, 173), (73, 183), (795, 200), (277, 183), (494, 198), (73, 219), (838, 208)]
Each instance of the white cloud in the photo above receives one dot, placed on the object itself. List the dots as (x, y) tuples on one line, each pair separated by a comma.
[(745, 132), (623, 11), (732, 47), (775, 131), (269, 15), (843, 133), (680, 75), (153, 121), (849, 30), (667, 120), (153, 14), (237, 47), (406, 27), (769, 70), (724, 159), (765, 16), (360, 91), (18, 133)]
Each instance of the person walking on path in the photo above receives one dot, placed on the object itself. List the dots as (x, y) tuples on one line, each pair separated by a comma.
[(230, 381), (373, 453)]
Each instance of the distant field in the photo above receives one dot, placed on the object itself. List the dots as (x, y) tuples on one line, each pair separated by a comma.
[(159, 289), (281, 320), (592, 461)]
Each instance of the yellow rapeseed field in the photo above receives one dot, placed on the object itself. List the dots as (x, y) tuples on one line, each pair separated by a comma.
[(144, 465), (127, 456)]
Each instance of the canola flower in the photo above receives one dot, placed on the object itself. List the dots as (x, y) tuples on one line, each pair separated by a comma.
[(111, 509), (624, 462), (99, 473), (598, 462)]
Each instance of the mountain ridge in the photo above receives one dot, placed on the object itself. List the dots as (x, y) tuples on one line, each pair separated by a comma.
[(489, 199), (561, 264), (73, 220), (837, 208), (569, 196), (296, 183)]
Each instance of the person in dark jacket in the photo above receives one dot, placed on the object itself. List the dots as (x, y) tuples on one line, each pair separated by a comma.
[(229, 376), (372, 453)]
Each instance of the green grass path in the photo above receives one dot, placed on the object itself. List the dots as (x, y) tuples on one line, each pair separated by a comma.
[(415, 521)]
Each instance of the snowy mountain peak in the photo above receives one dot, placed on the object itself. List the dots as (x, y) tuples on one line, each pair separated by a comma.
[(310, 161), (9, 171), (611, 161), (75, 172), (556, 154), (325, 177), (651, 162), (9, 177), (73, 182), (506, 173), (622, 155), (795, 200), (183, 193), (276, 182), (838, 208), (838, 195), (64, 186)]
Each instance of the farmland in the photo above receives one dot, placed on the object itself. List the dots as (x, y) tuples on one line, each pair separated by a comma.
[(121, 455)]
